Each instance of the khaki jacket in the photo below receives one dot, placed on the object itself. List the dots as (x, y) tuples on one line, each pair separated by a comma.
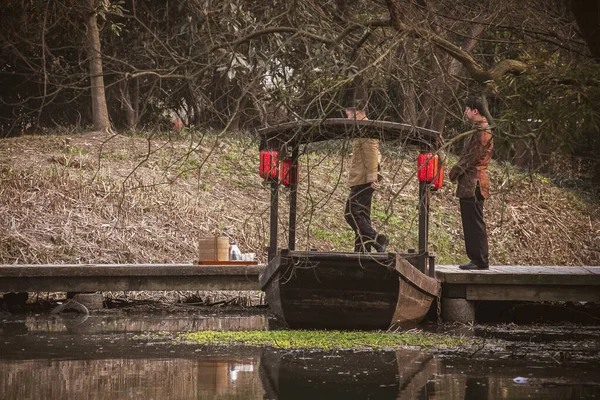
[(471, 168), (364, 167)]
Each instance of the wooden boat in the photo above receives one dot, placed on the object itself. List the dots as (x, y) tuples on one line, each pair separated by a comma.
[(317, 290)]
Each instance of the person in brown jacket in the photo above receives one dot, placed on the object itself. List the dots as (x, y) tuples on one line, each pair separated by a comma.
[(363, 179), (470, 172)]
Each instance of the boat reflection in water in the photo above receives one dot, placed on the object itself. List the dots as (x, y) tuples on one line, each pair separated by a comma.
[(105, 357), (345, 374)]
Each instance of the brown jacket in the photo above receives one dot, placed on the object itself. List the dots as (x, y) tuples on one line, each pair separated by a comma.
[(471, 168), (364, 166)]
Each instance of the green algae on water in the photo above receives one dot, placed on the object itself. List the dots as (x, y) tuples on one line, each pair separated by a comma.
[(326, 340)]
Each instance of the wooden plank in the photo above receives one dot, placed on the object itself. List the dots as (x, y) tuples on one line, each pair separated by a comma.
[(416, 278), (81, 270), (128, 283), (504, 269), (533, 293), (521, 275), (268, 272), (243, 263), (411, 306), (89, 277), (454, 291)]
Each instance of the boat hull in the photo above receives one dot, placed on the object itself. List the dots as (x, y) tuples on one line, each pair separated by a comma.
[(314, 290)]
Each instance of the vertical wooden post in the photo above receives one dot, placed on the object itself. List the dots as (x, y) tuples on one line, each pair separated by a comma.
[(274, 216), (423, 225), (431, 270), (293, 199)]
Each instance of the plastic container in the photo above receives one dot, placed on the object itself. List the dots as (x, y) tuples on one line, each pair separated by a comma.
[(248, 256), (234, 252)]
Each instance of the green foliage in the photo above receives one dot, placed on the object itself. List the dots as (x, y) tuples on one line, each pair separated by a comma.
[(325, 340), (323, 234), (116, 155), (553, 111), (75, 151)]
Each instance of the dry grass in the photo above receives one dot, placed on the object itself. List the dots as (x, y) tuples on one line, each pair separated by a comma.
[(137, 201), (94, 198)]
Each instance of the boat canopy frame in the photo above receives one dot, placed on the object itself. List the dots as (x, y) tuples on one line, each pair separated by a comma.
[(287, 138)]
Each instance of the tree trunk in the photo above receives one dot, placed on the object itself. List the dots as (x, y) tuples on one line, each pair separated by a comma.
[(127, 105), (409, 109), (193, 109), (99, 109), (587, 15), (449, 87), (475, 70), (136, 100)]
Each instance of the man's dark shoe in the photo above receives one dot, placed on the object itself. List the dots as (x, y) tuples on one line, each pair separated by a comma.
[(382, 243), (472, 266), (364, 247)]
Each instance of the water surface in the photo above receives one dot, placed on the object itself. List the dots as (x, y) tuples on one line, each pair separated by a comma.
[(103, 357)]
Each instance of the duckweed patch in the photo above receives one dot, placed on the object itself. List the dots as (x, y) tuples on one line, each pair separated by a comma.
[(325, 340)]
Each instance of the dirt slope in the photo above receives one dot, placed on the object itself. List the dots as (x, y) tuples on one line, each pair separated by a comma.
[(94, 198)]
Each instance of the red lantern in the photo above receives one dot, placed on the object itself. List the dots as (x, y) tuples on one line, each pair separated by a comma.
[(428, 167), (286, 175), (439, 179), (268, 164)]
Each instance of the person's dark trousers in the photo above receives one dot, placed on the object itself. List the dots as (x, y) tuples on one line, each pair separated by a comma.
[(474, 228), (358, 216)]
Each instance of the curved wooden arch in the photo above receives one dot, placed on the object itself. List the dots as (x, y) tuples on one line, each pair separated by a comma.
[(316, 130)]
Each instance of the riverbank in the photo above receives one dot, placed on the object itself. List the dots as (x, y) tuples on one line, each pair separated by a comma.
[(98, 198)]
